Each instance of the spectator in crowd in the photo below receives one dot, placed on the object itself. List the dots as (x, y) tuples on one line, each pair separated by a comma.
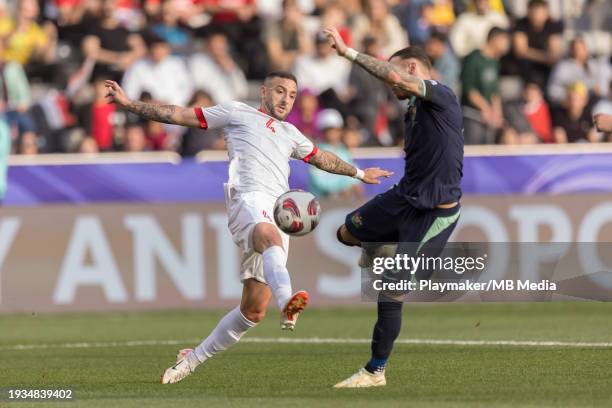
[(370, 98), (239, 21), (446, 68), (71, 22), (419, 26), (603, 123), (528, 119), (129, 14), (333, 15), (111, 45), (305, 113), (88, 145), (196, 140), (216, 72), (558, 9), (325, 74), (5, 150), (480, 97), (578, 67), (161, 74), (323, 184), (537, 112), (572, 121), (97, 117), (15, 99), (28, 144), (352, 137), (496, 5), (470, 31), (27, 41), (135, 138), (380, 22), (287, 38), (427, 16), (171, 30), (64, 44), (536, 43), (442, 15), (602, 115), (157, 136)]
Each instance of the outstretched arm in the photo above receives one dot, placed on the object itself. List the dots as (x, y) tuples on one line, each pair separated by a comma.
[(172, 114), (331, 163), (383, 70)]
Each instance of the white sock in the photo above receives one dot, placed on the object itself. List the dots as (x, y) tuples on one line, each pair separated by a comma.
[(227, 333), (277, 275)]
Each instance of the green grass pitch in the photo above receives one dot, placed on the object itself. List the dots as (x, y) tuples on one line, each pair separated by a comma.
[(116, 374)]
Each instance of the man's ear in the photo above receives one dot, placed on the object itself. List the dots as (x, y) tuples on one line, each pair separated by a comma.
[(412, 68), (262, 91)]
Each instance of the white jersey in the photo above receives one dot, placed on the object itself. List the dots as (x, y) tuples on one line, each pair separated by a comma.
[(259, 146)]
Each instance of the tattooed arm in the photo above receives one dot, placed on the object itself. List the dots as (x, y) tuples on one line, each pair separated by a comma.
[(331, 163), (392, 75), (172, 114), (383, 70)]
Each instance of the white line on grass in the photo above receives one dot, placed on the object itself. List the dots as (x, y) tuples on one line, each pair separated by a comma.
[(308, 340)]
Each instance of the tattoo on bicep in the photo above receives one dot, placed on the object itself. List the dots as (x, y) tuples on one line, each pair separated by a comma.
[(331, 163), (380, 69), (149, 111), (385, 71)]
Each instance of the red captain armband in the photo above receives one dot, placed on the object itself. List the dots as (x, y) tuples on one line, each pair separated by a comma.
[(314, 151), (201, 118)]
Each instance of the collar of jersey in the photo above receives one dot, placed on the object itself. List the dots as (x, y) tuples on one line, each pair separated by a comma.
[(260, 110)]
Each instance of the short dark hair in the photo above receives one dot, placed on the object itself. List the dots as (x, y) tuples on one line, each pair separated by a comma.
[(439, 36), (496, 31), (536, 3), (415, 52), (281, 74)]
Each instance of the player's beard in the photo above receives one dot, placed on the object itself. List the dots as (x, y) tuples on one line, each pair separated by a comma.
[(271, 108), (399, 94)]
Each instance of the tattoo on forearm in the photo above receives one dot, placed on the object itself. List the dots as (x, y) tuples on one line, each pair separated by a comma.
[(150, 111), (386, 72), (331, 163)]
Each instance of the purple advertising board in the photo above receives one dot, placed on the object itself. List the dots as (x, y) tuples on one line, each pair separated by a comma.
[(193, 181)]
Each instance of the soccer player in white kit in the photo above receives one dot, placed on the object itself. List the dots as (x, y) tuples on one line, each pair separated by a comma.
[(260, 144)]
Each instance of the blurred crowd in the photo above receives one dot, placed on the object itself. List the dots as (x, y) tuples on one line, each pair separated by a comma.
[(525, 71)]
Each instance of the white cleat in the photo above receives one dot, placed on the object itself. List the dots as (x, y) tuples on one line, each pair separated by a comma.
[(182, 354), (363, 379), (290, 313), (177, 372)]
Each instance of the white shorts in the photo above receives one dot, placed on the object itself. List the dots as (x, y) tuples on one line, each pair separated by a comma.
[(244, 212)]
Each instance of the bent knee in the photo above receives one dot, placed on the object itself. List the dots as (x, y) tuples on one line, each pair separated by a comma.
[(254, 314), (265, 235), (345, 236)]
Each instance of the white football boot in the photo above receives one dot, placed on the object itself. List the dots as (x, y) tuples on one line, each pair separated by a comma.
[(294, 306), (179, 370), (183, 353), (363, 379)]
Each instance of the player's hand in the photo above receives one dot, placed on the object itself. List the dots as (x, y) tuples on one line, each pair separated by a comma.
[(115, 94), (336, 41), (603, 122), (373, 174)]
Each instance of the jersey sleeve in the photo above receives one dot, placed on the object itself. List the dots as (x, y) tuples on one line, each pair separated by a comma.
[(215, 117), (303, 148), (438, 95)]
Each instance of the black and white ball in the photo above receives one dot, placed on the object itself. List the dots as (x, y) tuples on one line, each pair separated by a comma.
[(297, 212)]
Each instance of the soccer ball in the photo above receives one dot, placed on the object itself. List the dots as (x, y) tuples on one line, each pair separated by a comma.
[(297, 212)]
